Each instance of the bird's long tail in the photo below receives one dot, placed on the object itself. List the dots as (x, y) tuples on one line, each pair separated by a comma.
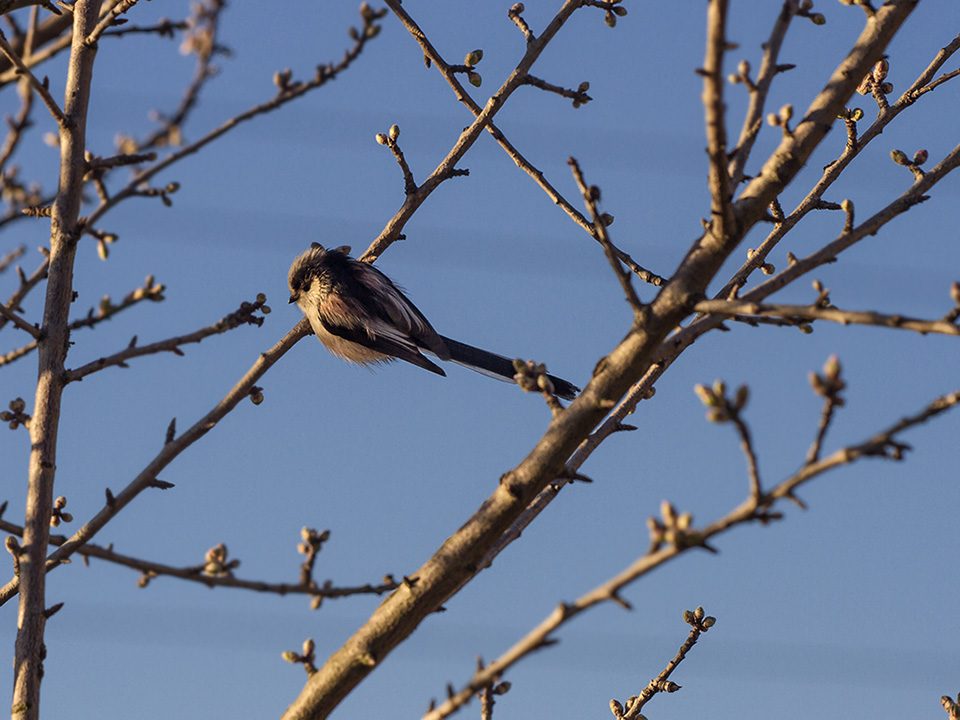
[(499, 367)]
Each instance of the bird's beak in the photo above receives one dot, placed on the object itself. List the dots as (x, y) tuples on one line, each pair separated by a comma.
[(293, 299)]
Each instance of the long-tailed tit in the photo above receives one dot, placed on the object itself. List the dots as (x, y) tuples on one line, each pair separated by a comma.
[(361, 316)]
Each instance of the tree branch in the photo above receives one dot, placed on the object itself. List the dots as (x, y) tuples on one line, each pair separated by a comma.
[(242, 316), (682, 537), (832, 314), (721, 210), (445, 69), (171, 449), (29, 653)]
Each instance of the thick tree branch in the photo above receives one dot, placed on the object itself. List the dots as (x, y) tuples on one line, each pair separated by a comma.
[(29, 654), (457, 560), (681, 538)]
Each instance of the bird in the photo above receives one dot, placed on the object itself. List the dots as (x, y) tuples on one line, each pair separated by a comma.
[(361, 316)]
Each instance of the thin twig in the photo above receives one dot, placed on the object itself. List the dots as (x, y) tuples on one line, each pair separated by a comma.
[(171, 450), (753, 509), (195, 573), (753, 120), (591, 196), (721, 208), (243, 316), (832, 314), (19, 321), (41, 88), (537, 175), (289, 92), (106, 310)]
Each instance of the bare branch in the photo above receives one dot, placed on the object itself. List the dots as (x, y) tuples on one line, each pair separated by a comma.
[(429, 52), (288, 91), (19, 321), (721, 209), (591, 196), (832, 314), (242, 316), (28, 661), (661, 683), (106, 310), (41, 88), (109, 19), (769, 69), (663, 549), (196, 574), (148, 476)]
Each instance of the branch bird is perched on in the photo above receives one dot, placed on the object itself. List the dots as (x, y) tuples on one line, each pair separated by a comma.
[(361, 316)]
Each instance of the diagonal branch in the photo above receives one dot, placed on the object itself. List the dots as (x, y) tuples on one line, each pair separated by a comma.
[(171, 450), (449, 75), (243, 316), (41, 88), (19, 321), (769, 69), (591, 196), (755, 508)]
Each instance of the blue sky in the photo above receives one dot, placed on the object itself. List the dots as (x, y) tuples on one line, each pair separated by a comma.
[(843, 610)]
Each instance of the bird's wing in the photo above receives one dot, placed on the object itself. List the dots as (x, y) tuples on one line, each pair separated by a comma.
[(381, 339), (389, 303)]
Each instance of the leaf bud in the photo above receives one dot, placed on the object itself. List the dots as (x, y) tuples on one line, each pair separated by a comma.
[(743, 394), (610, 19), (899, 157), (881, 69), (706, 395), (818, 19), (381, 139), (394, 132), (473, 58), (920, 157), (668, 513), (474, 79)]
